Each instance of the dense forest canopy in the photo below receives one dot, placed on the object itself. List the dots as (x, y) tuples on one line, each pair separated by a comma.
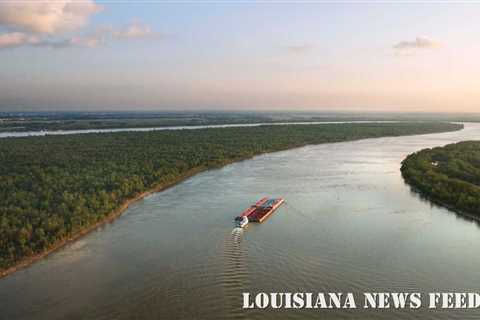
[(449, 175), (55, 186)]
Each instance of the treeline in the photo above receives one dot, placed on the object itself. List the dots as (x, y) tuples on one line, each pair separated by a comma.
[(53, 187), (52, 121), (449, 175)]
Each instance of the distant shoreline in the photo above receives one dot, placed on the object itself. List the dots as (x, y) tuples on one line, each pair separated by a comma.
[(43, 133)]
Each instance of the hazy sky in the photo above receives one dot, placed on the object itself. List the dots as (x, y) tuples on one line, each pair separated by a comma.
[(126, 55)]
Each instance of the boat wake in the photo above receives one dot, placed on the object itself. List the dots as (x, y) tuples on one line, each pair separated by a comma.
[(237, 233), (235, 275)]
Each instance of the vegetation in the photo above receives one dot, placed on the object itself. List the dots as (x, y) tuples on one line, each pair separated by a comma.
[(53, 187), (52, 121), (447, 175)]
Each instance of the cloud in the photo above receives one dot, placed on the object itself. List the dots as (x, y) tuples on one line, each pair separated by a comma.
[(47, 16), (67, 43), (134, 30), (418, 43), (98, 36), (40, 23), (16, 39), (105, 34)]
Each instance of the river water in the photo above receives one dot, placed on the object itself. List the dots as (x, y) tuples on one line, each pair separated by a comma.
[(350, 224), (42, 133)]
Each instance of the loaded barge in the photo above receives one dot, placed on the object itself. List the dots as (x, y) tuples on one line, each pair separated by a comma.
[(259, 211)]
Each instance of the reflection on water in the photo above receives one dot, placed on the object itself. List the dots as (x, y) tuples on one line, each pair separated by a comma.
[(349, 224)]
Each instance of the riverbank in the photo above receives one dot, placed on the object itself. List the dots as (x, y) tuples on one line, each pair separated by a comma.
[(232, 146), (110, 218), (462, 214), (448, 176), (43, 133), (26, 262)]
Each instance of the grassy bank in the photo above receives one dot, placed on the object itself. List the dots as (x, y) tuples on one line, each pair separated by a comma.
[(56, 188)]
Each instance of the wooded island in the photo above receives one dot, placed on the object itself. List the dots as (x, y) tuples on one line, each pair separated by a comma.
[(448, 175)]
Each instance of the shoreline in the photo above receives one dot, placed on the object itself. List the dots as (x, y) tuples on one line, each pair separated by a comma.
[(27, 261), (425, 188), (4, 134), (432, 200)]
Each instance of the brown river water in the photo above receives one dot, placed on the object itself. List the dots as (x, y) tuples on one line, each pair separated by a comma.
[(349, 224)]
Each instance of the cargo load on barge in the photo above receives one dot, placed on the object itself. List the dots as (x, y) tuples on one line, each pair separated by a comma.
[(259, 211)]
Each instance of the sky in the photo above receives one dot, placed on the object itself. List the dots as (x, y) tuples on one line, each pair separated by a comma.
[(87, 55)]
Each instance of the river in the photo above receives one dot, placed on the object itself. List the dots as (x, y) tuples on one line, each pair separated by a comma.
[(350, 224), (42, 133)]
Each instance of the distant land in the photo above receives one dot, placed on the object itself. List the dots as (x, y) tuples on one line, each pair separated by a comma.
[(56, 188), (51, 121)]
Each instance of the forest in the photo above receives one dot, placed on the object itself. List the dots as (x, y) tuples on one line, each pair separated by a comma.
[(52, 121), (53, 187), (448, 175)]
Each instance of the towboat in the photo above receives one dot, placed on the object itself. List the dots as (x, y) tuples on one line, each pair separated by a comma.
[(241, 222), (259, 211)]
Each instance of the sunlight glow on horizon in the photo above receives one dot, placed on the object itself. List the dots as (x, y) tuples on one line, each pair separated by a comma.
[(103, 55)]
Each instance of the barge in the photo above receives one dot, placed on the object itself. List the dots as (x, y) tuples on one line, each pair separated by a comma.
[(259, 211)]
